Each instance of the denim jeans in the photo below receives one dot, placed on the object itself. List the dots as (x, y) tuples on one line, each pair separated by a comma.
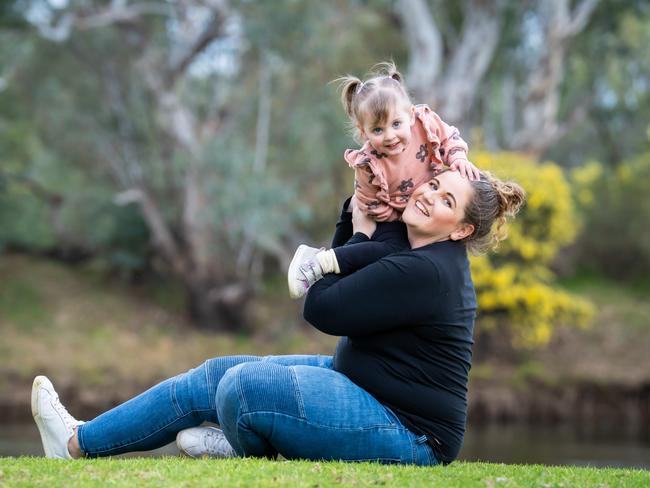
[(296, 406)]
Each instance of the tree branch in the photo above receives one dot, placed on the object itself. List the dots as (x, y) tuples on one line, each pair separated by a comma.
[(212, 30), (425, 46), (162, 236), (539, 125), (470, 60), (581, 15), (120, 12)]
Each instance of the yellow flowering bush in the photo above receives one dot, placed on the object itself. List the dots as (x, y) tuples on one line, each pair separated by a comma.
[(515, 282)]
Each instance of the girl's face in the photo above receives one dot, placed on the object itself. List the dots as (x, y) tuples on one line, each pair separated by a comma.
[(436, 210), (393, 136)]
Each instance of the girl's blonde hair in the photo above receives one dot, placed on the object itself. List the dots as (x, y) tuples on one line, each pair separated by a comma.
[(492, 202), (372, 100)]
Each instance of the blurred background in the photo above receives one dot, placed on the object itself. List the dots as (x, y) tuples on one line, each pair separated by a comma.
[(160, 161)]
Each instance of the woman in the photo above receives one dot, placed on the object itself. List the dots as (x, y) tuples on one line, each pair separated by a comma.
[(395, 390)]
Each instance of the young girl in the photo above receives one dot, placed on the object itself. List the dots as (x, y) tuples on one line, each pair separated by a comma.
[(404, 145)]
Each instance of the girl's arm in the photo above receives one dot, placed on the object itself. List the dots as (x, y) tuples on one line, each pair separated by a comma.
[(453, 149), (395, 291), (370, 187)]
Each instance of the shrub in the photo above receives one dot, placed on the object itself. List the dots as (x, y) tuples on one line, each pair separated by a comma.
[(616, 211), (515, 283)]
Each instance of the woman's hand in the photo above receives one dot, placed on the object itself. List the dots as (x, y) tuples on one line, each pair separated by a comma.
[(361, 222)]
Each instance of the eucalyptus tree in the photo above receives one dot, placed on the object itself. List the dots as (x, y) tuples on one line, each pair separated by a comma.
[(154, 108), (209, 117), (452, 47)]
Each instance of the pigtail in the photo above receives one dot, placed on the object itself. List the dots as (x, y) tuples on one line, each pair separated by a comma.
[(375, 96), (350, 86)]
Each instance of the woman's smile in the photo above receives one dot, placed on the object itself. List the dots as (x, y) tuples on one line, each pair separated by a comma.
[(421, 207)]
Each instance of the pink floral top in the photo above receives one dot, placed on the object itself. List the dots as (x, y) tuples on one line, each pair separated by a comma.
[(383, 184)]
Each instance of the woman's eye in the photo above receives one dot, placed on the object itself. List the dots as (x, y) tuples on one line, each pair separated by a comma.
[(433, 185), (447, 202)]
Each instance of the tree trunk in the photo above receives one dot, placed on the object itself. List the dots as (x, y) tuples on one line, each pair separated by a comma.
[(446, 70), (219, 307), (539, 126), (450, 84)]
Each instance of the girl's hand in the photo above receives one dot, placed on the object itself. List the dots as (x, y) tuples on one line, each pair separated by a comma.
[(361, 222), (466, 169)]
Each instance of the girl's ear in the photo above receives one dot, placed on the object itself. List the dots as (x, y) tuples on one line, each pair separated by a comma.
[(412, 121), (464, 230), (362, 132)]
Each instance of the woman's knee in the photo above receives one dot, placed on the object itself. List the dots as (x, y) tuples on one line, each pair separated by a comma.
[(258, 387), (227, 397)]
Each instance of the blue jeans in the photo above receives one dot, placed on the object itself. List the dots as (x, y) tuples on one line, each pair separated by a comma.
[(296, 406)]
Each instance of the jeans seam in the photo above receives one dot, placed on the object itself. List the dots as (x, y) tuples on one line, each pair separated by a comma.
[(177, 407), (100, 451), (297, 393), (414, 448), (208, 382), (316, 424), (241, 426), (80, 436), (240, 394)]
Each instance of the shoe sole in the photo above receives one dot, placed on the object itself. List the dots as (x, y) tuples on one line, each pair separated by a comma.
[(293, 267), (36, 387)]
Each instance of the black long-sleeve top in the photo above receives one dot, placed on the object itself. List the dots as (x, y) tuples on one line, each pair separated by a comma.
[(406, 324)]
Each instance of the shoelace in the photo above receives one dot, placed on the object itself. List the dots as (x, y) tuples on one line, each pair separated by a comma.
[(69, 420), (216, 444), (311, 272)]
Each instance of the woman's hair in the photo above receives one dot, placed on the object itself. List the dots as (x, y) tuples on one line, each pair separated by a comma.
[(492, 202), (372, 100)]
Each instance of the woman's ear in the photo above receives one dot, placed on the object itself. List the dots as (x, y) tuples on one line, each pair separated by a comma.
[(462, 231)]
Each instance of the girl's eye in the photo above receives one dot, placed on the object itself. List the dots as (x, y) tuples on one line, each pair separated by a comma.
[(396, 124), (376, 130)]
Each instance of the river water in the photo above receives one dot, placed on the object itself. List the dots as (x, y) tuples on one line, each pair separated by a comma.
[(508, 444)]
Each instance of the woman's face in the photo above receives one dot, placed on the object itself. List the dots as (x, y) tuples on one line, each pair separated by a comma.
[(436, 210)]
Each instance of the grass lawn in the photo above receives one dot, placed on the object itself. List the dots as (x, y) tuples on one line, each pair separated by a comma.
[(174, 471)]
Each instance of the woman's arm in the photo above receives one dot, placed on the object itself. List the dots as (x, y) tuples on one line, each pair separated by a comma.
[(395, 291), (343, 230)]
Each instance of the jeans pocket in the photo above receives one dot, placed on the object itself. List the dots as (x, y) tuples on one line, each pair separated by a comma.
[(422, 452), (392, 417)]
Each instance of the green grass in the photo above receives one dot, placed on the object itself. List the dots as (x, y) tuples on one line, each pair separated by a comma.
[(172, 471)]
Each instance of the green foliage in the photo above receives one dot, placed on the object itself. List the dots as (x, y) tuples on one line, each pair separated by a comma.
[(616, 211), (251, 472), (614, 88), (516, 282)]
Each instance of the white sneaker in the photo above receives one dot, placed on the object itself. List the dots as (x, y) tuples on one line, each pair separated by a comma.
[(55, 424), (304, 270), (204, 441)]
